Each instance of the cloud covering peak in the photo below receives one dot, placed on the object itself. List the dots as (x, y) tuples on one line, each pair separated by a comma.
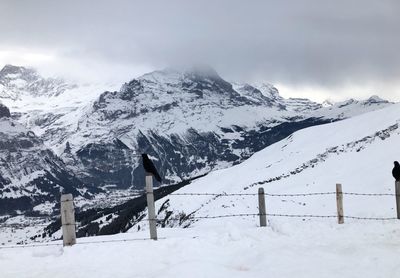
[(331, 48)]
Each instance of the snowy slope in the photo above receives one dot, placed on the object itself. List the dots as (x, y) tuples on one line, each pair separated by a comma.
[(357, 152), (304, 251)]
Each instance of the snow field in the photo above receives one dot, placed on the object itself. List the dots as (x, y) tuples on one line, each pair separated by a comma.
[(284, 249)]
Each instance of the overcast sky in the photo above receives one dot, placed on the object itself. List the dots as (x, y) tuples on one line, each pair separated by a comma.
[(313, 48)]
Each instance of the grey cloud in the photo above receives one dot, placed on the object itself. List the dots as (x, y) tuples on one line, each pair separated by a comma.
[(309, 42)]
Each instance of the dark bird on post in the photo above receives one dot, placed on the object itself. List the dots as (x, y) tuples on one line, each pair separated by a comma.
[(150, 168), (396, 171)]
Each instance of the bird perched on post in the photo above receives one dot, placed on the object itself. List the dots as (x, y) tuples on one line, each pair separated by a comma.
[(150, 168), (396, 171)]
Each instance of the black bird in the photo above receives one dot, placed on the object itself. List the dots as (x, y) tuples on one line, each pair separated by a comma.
[(396, 171), (149, 167)]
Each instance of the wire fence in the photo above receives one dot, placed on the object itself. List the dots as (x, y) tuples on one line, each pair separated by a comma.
[(283, 195), (60, 244), (223, 194), (193, 217), (280, 215)]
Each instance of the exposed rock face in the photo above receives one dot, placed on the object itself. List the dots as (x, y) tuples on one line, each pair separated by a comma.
[(4, 111), (30, 173)]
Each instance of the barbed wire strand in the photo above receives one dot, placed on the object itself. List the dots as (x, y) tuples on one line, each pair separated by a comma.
[(370, 194), (118, 240), (120, 198), (282, 195), (78, 243), (29, 245), (107, 198), (278, 215)]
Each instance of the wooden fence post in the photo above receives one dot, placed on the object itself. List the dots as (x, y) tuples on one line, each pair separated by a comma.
[(397, 192), (150, 207), (68, 220), (339, 203), (261, 207)]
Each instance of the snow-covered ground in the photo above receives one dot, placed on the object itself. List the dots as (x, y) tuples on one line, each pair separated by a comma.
[(312, 249)]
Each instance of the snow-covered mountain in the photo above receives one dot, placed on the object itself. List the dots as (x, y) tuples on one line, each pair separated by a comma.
[(30, 173), (19, 82), (190, 122)]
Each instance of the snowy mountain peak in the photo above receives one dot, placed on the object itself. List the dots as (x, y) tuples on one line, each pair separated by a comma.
[(202, 72), (302, 104), (168, 76), (16, 75), (328, 103), (268, 94), (351, 104), (263, 95), (18, 82), (269, 90), (200, 81), (375, 99), (16, 70), (177, 75)]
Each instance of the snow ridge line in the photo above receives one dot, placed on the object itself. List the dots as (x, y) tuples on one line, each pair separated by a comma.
[(358, 144)]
